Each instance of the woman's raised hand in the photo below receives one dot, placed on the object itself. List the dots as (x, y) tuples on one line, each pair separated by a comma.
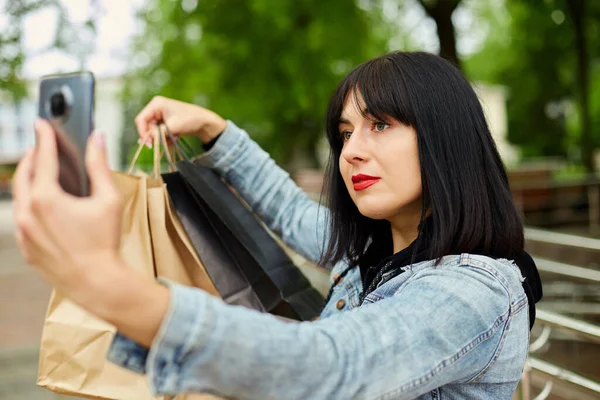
[(182, 119)]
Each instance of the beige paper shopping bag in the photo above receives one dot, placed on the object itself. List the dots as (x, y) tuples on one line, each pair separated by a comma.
[(74, 342), (174, 256)]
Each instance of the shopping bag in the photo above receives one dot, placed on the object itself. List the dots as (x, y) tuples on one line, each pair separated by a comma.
[(74, 342), (174, 255), (238, 281), (265, 273)]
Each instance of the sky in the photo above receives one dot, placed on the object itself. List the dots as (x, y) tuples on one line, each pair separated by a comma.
[(116, 25)]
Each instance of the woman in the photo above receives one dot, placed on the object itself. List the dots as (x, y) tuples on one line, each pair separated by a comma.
[(419, 234)]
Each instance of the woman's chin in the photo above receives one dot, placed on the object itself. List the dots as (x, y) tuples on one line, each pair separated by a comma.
[(373, 210), (378, 207)]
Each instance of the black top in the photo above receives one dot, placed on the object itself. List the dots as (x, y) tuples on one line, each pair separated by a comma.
[(207, 146)]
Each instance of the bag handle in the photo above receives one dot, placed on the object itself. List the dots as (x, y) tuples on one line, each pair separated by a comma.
[(177, 145), (158, 138), (137, 153), (166, 150)]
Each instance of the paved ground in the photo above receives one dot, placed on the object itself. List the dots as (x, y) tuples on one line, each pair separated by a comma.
[(23, 300)]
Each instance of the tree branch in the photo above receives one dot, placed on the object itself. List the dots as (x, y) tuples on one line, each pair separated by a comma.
[(433, 8)]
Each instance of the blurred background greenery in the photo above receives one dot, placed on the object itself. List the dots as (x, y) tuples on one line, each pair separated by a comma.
[(271, 65)]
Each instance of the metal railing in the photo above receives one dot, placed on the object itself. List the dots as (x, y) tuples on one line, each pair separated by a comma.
[(561, 239), (567, 270), (582, 329), (549, 321)]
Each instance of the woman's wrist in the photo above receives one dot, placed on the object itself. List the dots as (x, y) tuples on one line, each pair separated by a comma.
[(211, 128)]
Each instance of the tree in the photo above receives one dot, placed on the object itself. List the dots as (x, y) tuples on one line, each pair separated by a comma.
[(534, 51), (441, 12), (11, 49), (577, 10), (12, 54), (269, 66)]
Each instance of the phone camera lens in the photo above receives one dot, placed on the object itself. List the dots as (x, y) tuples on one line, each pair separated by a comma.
[(58, 105)]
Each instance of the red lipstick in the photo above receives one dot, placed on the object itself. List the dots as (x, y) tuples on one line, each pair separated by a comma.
[(362, 181)]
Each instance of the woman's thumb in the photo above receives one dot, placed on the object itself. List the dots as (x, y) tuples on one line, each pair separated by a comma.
[(96, 162)]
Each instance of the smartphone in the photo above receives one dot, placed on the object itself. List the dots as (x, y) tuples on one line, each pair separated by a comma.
[(67, 102)]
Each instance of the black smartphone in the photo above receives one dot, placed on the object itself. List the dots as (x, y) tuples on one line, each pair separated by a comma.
[(67, 101)]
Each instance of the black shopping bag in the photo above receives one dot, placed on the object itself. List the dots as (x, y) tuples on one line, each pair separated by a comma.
[(247, 266), (235, 286)]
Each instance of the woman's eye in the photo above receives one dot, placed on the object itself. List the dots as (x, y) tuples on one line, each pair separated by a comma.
[(380, 126), (346, 135)]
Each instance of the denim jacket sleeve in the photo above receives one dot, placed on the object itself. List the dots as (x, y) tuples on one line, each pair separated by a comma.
[(427, 335), (269, 190)]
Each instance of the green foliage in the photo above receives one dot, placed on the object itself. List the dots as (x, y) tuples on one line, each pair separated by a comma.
[(11, 48), (569, 173), (270, 66), (531, 51)]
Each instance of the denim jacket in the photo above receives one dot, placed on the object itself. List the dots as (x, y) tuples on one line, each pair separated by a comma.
[(458, 330)]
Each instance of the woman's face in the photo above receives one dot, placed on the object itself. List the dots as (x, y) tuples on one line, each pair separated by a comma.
[(379, 164)]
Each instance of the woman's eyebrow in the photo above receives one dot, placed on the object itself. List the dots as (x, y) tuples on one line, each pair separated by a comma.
[(343, 121)]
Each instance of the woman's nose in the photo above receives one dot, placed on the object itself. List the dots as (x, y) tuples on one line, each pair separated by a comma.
[(354, 150)]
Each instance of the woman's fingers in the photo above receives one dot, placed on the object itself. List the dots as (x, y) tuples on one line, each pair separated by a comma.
[(146, 120), (46, 168), (96, 161), (30, 235), (21, 184)]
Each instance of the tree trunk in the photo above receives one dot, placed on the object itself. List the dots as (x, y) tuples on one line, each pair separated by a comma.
[(577, 10), (441, 12)]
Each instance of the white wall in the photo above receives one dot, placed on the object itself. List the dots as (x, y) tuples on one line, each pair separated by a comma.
[(16, 125), (109, 117), (493, 101), (16, 128)]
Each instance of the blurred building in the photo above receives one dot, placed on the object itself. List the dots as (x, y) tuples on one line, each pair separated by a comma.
[(493, 100), (16, 133), (16, 120)]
